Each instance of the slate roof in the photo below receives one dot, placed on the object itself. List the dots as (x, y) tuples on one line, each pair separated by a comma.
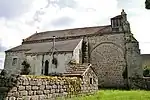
[(117, 17), (77, 69), (145, 56), (69, 32), (68, 45)]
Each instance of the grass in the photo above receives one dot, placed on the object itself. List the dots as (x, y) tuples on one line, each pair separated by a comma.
[(117, 95)]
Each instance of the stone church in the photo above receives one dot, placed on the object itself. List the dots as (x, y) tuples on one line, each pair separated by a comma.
[(112, 50)]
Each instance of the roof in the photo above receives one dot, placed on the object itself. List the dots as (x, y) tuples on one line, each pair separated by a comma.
[(117, 17), (145, 56), (77, 69), (69, 32), (68, 45)]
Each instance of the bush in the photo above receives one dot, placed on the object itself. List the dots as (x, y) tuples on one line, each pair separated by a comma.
[(26, 68), (146, 73)]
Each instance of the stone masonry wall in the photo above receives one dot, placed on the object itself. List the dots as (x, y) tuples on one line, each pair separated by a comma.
[(42, 88), (140, 83), (108, 59), (9, 59), (87, 86)]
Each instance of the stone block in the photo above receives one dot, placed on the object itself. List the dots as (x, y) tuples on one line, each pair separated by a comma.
[(28, 88), (25, 82), (26, 97), (10, 94), (21, 88), (52, 90), (54, 86), (23, 93), (30, 93), (16, 94), (14, 89), (44, 82), (48, 87), (19, 98), (34, 92), (59, 86), (57, 82), (41, 97), (61, 82), (46, 91), (19, 82), (52, 83), (61, 90), (65, 93), (65, 87), (12, 98), (49, 96), (57, 90), (39, 92), (35, 97), (39, 82), (35, 87), (42, 87), (32, 82)]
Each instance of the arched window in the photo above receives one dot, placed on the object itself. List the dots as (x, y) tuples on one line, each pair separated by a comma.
[(46, 67)]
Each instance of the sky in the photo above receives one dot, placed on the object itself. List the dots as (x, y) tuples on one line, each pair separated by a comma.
[(22, 18)]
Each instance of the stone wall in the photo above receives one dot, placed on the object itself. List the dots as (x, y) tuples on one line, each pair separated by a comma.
[(77, 52), (42, 88), (86, 85), (36, 63), (134, 60), (108, 59), (9, 59), (140, 83)]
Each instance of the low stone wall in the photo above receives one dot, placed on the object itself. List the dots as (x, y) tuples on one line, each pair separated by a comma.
[(140, 83), (41, 87)]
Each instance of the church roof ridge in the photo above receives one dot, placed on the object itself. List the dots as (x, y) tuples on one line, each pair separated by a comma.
[(67, 32), (75, 28)]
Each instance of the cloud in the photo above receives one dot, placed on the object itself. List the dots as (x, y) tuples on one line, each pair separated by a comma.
[(139, 19), (2, 48), (10, 9), (63, 3), (2, 58), (1, 63), (63, 21)]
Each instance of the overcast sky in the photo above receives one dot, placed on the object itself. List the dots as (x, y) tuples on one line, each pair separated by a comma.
[(21, 18)]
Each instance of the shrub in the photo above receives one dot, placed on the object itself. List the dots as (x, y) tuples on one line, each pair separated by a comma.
[(26, 68), (146, 73)]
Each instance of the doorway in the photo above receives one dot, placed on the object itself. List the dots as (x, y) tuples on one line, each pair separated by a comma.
[(46, 67)]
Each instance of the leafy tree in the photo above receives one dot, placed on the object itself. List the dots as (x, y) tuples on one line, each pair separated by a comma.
[(146, 73), (3, 72), (26, 68), (147, 4)]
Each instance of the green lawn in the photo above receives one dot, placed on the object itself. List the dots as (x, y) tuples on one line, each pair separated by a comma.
[(117, 95)]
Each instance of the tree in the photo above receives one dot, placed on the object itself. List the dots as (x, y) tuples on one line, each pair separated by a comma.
[(147, 4), (146, 73), (26, 68)]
